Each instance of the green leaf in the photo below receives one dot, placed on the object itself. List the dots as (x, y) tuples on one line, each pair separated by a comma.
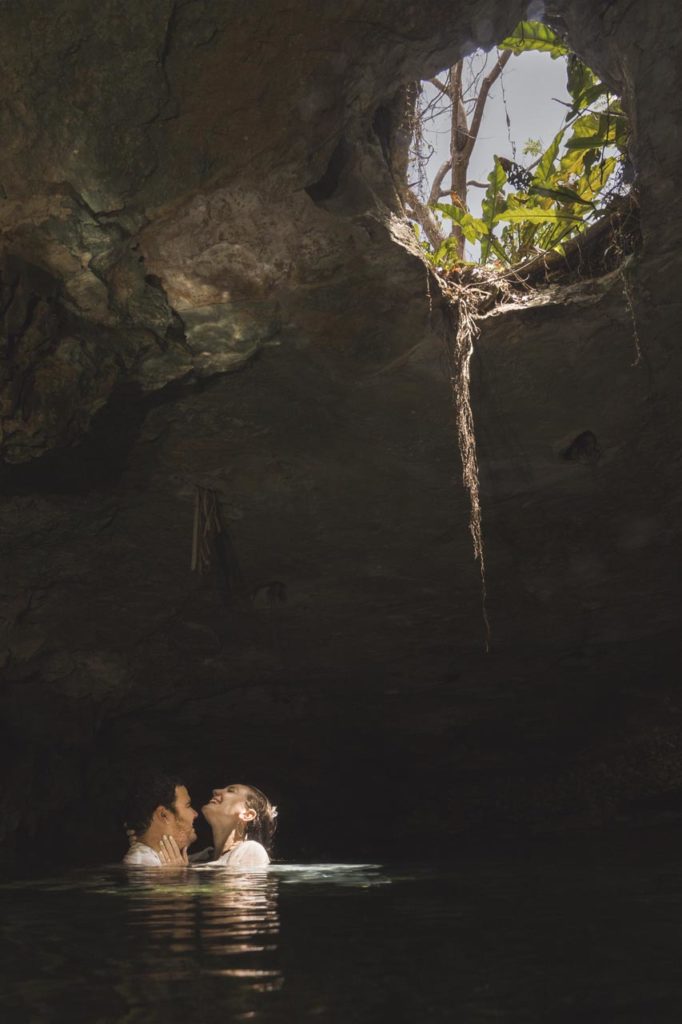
[(580, 79), (494, 193), (590, 142), (596, 178), (561, 194), (492, 204), (570, 164), (449, 210), (533, 35), (497, 249), (536, 215), (472, 228), (445, 252), (592, 133), (545, 169), (594, 93), (587, 124)]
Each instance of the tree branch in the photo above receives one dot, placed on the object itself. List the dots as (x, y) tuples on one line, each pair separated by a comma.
[(458, 126), (426, 218), (459, 129), (486, 86), (439, 85), (436, 193)]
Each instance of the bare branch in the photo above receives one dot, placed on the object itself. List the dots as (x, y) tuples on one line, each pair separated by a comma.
[(478, 184), (435, 193), (439, 85), (486, 86), (436, 116), (470, 92), (426, 219), (459, 142), (434, 104), (457, 108)]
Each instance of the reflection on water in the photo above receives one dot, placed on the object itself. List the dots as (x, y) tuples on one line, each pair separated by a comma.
[(161, 944), (231, 933), (143, 944), (566, 939)]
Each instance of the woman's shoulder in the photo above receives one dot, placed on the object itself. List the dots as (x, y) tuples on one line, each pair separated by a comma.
[(248, 854)]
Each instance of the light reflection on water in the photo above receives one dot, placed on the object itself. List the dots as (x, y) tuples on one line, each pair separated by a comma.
[(226, 926), (187, 944), (559, 941)]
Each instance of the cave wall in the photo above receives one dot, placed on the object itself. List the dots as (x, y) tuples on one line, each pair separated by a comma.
[(157, 188), (205, 282)]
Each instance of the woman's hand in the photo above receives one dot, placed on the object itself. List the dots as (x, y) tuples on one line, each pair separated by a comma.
[(170, 853)]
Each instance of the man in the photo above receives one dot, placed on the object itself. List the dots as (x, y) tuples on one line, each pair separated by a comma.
[(160, 813)]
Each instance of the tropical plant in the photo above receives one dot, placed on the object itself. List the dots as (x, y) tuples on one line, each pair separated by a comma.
[(527, 210)]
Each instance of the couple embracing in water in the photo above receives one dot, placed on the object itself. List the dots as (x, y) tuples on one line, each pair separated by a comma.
[(160, 821)]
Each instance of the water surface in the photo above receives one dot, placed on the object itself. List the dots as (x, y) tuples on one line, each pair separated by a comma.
[(546, 938)]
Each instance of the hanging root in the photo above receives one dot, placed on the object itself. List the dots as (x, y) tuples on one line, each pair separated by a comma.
[(206, 527), (429, 297), (460, 350), (481, 292), (631, 310), (478, 291)]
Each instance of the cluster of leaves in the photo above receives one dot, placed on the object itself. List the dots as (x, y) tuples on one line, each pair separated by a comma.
[(526, 211)]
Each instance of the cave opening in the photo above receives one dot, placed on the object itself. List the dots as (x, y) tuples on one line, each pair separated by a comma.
[(510, 164)]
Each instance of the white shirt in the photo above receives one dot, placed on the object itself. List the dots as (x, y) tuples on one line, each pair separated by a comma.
[(246, 855), (141, 855)]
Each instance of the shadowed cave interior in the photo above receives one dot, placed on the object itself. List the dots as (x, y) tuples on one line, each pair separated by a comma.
[(208, 287)]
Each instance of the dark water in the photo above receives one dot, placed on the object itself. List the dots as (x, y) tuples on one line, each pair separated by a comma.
[(560, 937)]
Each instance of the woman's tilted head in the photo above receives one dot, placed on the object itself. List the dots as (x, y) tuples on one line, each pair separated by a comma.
[(263, 825), (245, 809)]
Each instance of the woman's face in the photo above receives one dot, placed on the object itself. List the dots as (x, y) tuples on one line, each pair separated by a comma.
[(227, 806)]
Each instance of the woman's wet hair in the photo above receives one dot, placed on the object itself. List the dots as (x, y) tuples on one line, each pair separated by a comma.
[(262, 827)]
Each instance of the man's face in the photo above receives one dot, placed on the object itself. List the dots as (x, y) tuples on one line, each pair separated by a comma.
[(181, 824)]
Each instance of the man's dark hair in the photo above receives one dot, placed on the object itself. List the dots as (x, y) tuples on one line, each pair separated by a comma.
[(156, 790)]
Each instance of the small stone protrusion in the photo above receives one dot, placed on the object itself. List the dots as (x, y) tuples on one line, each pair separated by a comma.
[(583, 448)]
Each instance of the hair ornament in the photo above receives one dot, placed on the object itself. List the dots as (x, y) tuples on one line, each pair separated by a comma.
[(273, 811)]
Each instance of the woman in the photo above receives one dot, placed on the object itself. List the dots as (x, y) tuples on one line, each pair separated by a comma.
[(243, 822)]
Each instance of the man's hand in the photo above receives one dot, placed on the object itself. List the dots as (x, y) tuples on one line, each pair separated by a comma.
[(170, 853)]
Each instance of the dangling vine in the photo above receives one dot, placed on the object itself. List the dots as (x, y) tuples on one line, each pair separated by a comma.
[(466, 303), (629, 302), (460, 351)]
